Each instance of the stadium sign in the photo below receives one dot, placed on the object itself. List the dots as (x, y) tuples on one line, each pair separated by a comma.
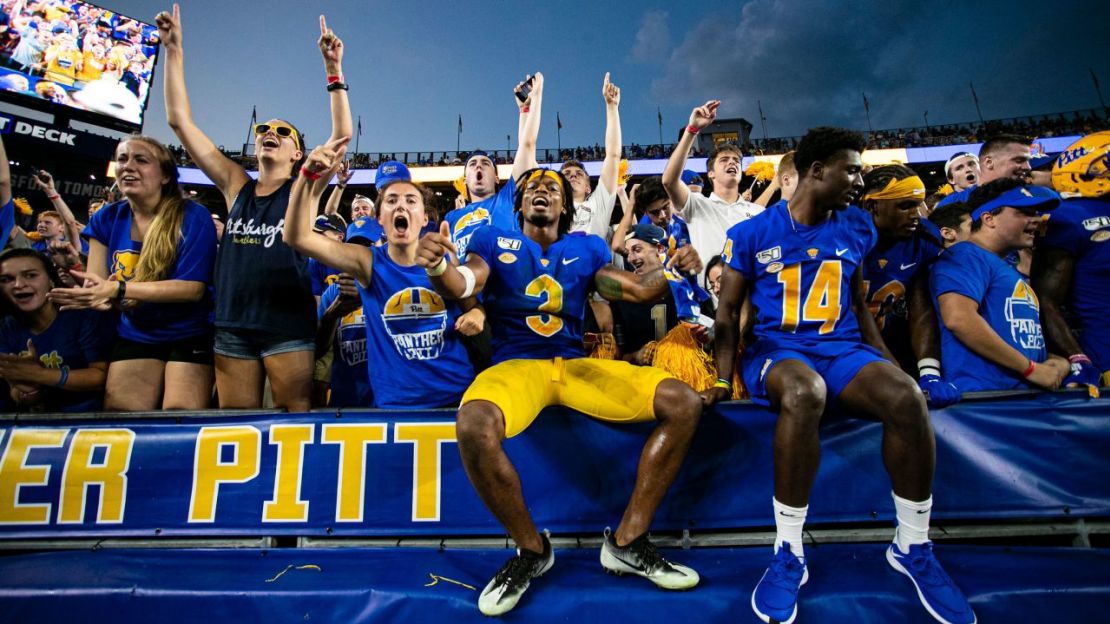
[(49, 137), (10, 124)]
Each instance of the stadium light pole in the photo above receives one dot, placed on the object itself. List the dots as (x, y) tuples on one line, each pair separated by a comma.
[(926, 120), (1098, 90)]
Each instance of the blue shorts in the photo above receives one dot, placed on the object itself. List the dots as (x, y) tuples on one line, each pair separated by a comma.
[(837, 362), (247, 344)]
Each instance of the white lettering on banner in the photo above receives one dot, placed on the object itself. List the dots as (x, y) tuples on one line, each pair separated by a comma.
[(48, 134), (249, 233)]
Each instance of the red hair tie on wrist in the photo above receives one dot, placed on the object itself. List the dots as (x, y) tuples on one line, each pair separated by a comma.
[(310, 175), (692, 129)]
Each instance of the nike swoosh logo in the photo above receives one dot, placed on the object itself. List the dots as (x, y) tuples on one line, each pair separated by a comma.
[(567, 261), (841, 252), (906, 266), (634, 566), (919, 512)]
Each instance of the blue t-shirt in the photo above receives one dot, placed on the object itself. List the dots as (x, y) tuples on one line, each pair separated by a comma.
[(1006, 302), (7, 222), (678, 233), (1081, 227), (350, 383), (416, 358), (75, 339), (262, 284), (800, 276), (321, 275), (956, 196), (536, 301), (888, 273), (154, 323), (496, 210)]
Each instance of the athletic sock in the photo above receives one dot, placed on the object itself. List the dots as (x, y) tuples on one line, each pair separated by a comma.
[(913, 522), (788, 527)]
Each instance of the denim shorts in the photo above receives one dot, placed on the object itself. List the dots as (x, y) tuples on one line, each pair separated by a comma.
[(249, 344)]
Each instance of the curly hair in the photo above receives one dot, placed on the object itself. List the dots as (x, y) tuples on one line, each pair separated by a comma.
[(567, 216), (822, 143)]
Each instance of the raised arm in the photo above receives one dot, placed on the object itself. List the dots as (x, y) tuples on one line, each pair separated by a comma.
[(5, 181), (228, 176), (45, 182), (355, 260), (612, 95), (452, 282), (617, 285), (331, 47), (628, 205), (700, 118), (341, 177), (529, 127)]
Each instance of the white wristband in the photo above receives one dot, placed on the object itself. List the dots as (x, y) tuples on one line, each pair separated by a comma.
[(438, 269), (928, 366), (468, 276)]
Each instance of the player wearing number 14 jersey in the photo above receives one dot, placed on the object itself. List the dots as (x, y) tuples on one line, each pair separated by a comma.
[(535, 283), (801, 263)]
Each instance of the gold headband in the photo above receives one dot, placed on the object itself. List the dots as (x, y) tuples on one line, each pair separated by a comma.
[(545, 173), (906, 188)]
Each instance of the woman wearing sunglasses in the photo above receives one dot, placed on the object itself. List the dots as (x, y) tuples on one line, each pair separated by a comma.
[(265, 311), (151, 255), (53, 360)]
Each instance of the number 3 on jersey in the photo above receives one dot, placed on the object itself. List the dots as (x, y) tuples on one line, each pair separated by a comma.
[(822, 302), (547, 324)]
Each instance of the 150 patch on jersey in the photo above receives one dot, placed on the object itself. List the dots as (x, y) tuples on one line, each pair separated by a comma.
[(1096, 223), (769, 255), (511, 244)]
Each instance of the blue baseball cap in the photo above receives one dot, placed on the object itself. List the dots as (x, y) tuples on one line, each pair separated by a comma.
[(651, 234), (368, 230), (1026, 197), (691, 177), (332, 222), (391, 171)]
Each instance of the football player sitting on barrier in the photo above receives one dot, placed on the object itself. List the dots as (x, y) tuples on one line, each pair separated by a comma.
[(801, 263), (535, 283)]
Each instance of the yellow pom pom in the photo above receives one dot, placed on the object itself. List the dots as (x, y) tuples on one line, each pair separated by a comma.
[(622, 172), (761, 170), (34, 235), (460, 186), (945, 190), (681, 355), (23, 205), (606, 347)]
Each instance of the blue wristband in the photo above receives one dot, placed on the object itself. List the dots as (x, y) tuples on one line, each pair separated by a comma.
[(64, 378)]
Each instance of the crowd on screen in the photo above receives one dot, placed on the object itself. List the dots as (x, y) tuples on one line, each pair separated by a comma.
[(76, 54)]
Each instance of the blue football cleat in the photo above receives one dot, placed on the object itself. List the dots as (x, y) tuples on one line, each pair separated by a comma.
[(935, 588), (775, 598)]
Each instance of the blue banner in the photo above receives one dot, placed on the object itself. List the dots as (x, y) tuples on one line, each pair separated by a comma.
[(379, 473)]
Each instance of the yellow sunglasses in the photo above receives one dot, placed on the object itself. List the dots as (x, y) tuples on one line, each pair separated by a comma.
[(282, 131)]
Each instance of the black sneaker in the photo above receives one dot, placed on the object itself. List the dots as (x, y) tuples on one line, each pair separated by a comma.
[(641, 558), (512, 580)]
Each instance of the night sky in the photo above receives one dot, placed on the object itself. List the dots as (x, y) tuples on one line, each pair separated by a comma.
[(414, 67)]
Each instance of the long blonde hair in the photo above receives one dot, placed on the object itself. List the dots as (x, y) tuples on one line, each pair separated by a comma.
[(159, 252)]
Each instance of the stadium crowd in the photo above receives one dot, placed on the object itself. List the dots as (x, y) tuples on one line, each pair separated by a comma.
[(838, 281)]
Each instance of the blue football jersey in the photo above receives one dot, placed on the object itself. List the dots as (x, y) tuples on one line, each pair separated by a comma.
[(678, 233), (496, 210), (887, 274), (350, 383), (800, 276), (536, 301), (1006, 302), (415, 357), (321, 275), (1082, 228)]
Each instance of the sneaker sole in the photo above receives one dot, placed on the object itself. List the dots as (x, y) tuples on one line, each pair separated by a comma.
[(769, 619), (615, 566), (894, 563)]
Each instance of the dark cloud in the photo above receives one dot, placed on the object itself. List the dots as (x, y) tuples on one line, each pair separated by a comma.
[(809, 61), (653, 39)]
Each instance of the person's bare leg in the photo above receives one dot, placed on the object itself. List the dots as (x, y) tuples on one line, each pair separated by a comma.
[(677, 410), (799, 394), (480, 428), (239, 382), (133, 385), (291, 379), (188, 386)]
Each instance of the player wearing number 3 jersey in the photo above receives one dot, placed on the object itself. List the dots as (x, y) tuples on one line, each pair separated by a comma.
[(535, 283), (800, 261)]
